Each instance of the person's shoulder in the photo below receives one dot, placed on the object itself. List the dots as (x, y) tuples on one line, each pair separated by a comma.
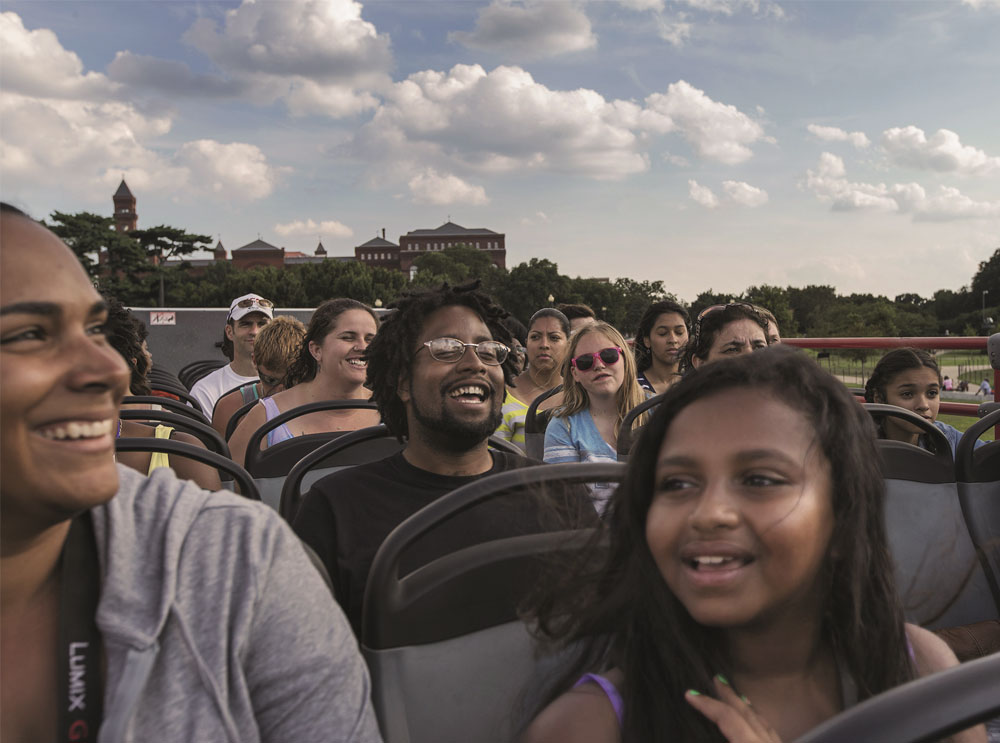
[(503, 461), (583, 714), (930, 652), (355, 480)]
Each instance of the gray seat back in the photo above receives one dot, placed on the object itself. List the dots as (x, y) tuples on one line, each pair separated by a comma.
[(978, 473), (448, 656)]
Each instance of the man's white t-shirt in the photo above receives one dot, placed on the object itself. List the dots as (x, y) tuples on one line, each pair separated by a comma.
[(210, 388)]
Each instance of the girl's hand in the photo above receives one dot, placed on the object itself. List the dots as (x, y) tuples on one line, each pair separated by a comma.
[(736, 719)]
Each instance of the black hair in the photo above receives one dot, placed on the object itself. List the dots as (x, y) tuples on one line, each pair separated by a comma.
[(125, 333), (576, 311), (615, 609), (643, 355), (896, 361), (711, 322), (321, 324), (516, 329), (390, 354), (551, 312), (9, 210)]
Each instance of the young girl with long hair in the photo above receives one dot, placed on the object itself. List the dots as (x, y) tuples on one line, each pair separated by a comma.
[(909, 378), (599, 389), (746, 591), (545, 346), (331, 365), (659, 345)]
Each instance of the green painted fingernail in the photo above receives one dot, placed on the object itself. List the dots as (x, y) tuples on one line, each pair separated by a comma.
[(722, 678), (743, 697), (693, 693)]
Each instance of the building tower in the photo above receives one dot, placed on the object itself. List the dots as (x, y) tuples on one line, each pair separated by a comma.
[(125, 216)]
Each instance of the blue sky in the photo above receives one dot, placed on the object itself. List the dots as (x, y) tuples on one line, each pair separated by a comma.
[(708, 143)]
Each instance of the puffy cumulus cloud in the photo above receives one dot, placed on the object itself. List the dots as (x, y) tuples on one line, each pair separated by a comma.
[(702, 195), (305, 228), (431, 187), (236, 169), (36, 64), (977, 4), (943, 152), (744, 194), (317, 56), (835, 134), (714, 130), (468, 120), (529, 30), (830, 184), (643, 4)]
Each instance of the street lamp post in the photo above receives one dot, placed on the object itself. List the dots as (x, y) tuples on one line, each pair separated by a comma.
[(985, 292)]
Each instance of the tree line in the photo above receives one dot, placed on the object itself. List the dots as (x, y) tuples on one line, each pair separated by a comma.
[(135, 271)]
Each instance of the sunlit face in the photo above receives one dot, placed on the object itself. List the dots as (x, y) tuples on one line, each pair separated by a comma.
[(60, 383), (917, 390), (546, 344), (734, 339), (742, 513), (244, 331), (341, 355), (458, 402), (667, 338), (600, 380)]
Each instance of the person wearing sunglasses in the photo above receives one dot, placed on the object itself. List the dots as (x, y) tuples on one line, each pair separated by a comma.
[(723, 331), (247, 316), (599, 389), (437, 370), (274, 349)]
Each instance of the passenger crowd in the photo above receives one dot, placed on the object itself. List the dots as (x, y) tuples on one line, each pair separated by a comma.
[(721, 599)]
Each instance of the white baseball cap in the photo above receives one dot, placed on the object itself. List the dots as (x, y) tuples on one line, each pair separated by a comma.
[(250, 303)]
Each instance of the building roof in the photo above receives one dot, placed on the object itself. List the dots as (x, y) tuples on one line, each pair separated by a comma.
[(320, 250), (378, 242), (123, 191), (294, 254), (450, 229), (257, 245)]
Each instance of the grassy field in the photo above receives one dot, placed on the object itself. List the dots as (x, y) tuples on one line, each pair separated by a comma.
[(962, 422)]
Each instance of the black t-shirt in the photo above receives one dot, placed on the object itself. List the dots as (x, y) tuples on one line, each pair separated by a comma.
[(346, 516)]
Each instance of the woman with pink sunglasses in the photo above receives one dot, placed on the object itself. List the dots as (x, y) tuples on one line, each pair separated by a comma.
[(599, 389)]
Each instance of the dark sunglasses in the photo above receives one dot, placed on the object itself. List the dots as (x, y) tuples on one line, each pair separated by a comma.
[(269, 381), (585, 361), (451, 350)]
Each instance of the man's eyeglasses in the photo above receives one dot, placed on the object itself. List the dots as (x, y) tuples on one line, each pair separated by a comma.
[(585, 361), (260, 302), (451, 350)]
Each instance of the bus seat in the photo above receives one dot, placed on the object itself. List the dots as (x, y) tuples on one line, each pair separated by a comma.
[(978, 474), (535, 421), (448, 656)]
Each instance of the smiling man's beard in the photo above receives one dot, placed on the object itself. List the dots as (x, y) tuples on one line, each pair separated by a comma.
[(451, 433)]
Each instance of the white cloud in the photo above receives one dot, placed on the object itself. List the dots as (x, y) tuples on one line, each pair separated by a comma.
[(730, 7), (323, 58), (36, 64), (536, 218), (678, 160), (716, 131), (431, 187), (943, 152), (829, 183), (702, 195), (529, 30), (642, 4), (468, 120), (835, 134), (675, 31), (745, 194), (309, 227), (982, 3)]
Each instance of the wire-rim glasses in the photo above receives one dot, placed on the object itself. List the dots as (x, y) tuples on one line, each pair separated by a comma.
[(451, 350)]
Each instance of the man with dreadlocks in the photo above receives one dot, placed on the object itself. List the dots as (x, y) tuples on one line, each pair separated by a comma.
[(436, 370)]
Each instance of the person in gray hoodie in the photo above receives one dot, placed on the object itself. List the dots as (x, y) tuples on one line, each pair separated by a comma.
[(136, 608)]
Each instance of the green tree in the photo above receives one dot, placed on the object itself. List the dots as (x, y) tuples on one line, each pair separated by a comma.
[(456, 265), (112, 259), (812, 308), (775, 299), (529, 285), (163, 243)]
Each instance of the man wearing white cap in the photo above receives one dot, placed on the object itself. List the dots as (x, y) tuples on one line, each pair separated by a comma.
[(247, 315)]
